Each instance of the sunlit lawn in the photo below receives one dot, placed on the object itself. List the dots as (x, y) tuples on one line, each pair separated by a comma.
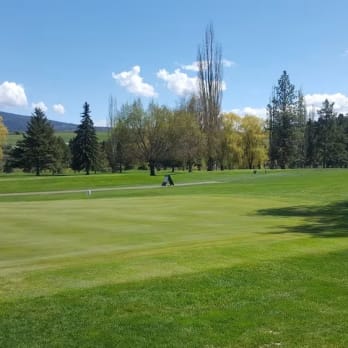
[(250, 261)]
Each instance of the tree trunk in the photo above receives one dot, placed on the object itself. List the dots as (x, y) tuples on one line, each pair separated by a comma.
[(210, 164), (152, 168)]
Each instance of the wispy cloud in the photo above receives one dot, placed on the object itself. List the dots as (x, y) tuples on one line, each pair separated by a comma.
[(59, 109), (134, 83), (12, 94), (100, 123), (248, 110), (41, 105), (194, 66), (228, 63)]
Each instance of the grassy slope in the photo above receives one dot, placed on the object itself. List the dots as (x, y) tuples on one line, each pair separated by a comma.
[(256, 260), (13, 138)]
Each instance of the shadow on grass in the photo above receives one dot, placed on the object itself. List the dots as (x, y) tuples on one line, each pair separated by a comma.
[(320, 221)]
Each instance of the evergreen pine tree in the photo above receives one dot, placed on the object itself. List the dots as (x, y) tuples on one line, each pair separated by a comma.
[(327, 134), (37, 146), (84, 147), (287, 114), (299, 132)]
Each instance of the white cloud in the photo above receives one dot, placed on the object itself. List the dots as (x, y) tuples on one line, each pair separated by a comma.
[(345, 53), (100, 123), (59, 109), (315, 101), (12, 94), (179, 82), (248, 110), (194, 66), (134, 82), (191, 67), (41, 105), (228, 63)]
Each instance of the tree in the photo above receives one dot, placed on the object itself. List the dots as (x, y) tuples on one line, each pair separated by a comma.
[(210, 73), (232, 133), (111, 143), (299, 131), (84, 147), (326, 138), (286, 112), (61, 155), (36, 150), (149, 130), (3, 136), (186, 138), (253, 139), (118, 146), (311, 133), (342, 140)]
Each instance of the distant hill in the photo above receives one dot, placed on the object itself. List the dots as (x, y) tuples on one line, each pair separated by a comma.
[(18, 123)]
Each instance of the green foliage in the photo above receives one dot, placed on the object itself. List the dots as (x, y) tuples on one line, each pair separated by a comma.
[(327, 138), (62, 155), (36, 151), (119, 147), (186, 139), (287, 116), (245, 143), (149, 131), (3, 137), (84, 147)]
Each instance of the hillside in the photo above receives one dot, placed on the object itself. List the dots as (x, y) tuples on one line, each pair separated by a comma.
[(18, 123)]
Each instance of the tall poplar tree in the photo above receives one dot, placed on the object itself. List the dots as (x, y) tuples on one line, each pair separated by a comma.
[(84, 147), (210, 72)]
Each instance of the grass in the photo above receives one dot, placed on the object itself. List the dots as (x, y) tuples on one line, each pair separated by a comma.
[(13, 138), (253, 261)]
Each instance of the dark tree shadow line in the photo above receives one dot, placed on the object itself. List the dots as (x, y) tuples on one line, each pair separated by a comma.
[(330, 220)]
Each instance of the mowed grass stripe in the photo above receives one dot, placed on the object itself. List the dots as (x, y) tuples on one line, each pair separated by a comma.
[(256, 261), (69, 244), (103, 189), (297, 302)]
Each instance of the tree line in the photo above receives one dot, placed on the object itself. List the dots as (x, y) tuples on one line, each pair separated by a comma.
[(298, 138), (196, 134), (156, 137)]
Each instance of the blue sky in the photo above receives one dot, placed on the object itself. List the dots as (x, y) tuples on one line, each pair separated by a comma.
[(59, 54)]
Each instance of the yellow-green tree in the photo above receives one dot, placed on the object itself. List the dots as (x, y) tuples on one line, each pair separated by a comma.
[(232, 134), (254, 141), (3, 136), (246, 141)]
